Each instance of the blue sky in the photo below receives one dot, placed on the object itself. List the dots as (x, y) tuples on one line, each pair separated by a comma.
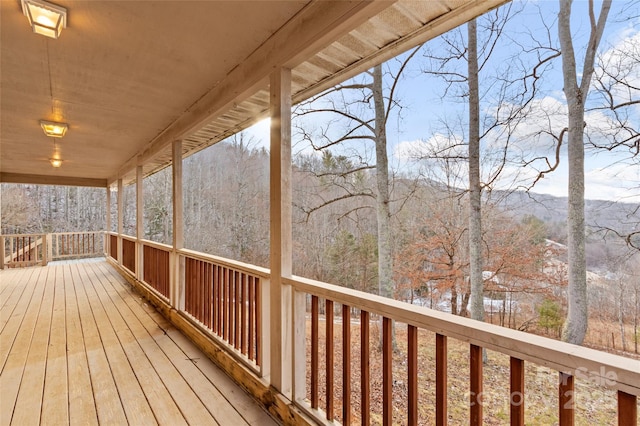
[(609, 175)]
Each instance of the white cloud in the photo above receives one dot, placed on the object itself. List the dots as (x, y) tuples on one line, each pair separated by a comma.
[(438, 145)]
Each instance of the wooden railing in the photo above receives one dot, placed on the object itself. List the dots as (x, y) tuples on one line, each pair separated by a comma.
[(225, 297), (129, 253), (20, 250), (113, 246), (607, 370), (67, 245), (156, 266)]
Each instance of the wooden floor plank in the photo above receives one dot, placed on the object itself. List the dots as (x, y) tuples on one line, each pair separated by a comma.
[(133, 400), (244, 404), (79, 346), (240, 402), (12, 371), (105, 392), (190, 405), (164, 408), (82, 408), (15, 313), (55, 404), (11, 279), (29, 401)]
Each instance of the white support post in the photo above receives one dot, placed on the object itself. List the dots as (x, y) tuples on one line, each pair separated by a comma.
[(281, 301), (120, 219), (177, 269), (139, 223), (107, 237)]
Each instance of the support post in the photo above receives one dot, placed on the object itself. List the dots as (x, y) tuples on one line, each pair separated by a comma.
[(2, 252), (107, 238), (120, 219), (49, 248), (177, 270), (281, 301), (139, 223)]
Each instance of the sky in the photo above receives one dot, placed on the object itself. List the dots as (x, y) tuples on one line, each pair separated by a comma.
[(419, 128)]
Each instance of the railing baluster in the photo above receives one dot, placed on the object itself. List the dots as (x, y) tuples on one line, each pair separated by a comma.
[(225, 306), (252, 306), (328, 315), (627, 409), (314, 352), (209, 295), (475, 384), (238, 325), (516, 397), (387, 371), (365, 378), (243, 313), (441, 380), (346, 365), (566, 399), (412, 372), (216, 299), (258, 317)]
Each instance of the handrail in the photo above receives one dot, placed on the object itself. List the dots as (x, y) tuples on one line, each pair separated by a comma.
[(159, 246), (240, 266), (599, 366)]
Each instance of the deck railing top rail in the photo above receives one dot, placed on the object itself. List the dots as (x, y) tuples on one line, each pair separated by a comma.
[(233, 264)]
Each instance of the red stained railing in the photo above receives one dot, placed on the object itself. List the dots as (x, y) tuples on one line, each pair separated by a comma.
[(113, 246), (321, 396), (129, 254), (226, 301), (155, 269)]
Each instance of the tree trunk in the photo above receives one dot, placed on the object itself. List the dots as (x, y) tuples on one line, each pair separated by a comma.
[(475, 221), (385, 260), (575, 327), (621, 298)]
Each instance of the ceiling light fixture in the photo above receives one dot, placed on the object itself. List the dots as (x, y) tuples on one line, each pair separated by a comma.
[(55, 162), (53, 129), (45, 18)]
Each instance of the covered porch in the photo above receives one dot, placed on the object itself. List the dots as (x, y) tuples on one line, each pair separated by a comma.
[(143, 85)]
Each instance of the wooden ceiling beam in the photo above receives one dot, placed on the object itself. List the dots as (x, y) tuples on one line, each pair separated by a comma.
[(52, 180)]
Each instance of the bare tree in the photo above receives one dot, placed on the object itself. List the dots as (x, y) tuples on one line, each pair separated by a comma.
[(575, 327), (350, 106)]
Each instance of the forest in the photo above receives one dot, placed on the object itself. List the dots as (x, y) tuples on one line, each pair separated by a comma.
[(453, 219)]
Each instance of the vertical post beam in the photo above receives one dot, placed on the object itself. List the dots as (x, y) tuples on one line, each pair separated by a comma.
[(139, 222), (2, 252), (281, 319), (120, 219), (299, 346), (177, 276), (49, 258), (107, 238)]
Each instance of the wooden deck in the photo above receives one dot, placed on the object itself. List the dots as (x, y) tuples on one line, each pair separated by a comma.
[(79, 346)]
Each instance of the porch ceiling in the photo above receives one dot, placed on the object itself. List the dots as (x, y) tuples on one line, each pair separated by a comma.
[(132, 76)]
